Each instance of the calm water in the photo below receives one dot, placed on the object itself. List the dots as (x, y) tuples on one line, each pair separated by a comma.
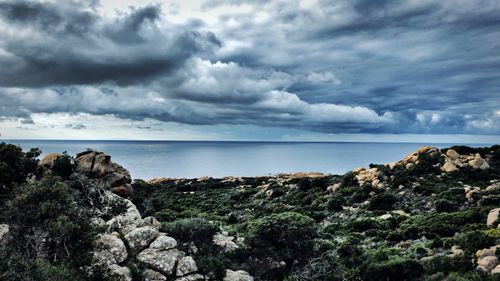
[(149, 159)]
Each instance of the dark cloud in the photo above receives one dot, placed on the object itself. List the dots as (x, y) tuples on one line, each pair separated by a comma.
[(54, 44), (333, 66)]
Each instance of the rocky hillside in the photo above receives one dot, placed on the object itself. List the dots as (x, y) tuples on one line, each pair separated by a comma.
[(431, 216)]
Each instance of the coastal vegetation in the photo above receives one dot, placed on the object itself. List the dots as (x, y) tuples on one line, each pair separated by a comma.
[(431, 216)]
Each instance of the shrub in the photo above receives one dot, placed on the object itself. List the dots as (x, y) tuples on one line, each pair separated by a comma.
[(443, 205), (335, 203), (47, 222), (394, 269), (63, 166), (16, 165), (383, 202), (17, 268), (193, 229), (472, 241)]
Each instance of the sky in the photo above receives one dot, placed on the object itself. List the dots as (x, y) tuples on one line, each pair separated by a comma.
[(318, 70)]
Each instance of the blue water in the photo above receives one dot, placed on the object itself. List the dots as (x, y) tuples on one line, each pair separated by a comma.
[(149, 159)]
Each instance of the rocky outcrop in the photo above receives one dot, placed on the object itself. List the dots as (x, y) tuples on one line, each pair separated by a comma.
[(163, 261), (97, 165), (238, 275), (454, 161), (487, 262)]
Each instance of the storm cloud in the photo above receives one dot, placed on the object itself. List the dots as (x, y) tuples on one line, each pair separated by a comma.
[(325, 66)]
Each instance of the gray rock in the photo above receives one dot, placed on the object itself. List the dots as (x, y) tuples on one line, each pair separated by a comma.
[(186, 266), (141, 237), (162, 261), (112, 244), (238, 275), (4, 233), (192, 277), (151, 275), (151, 221), (163, 242), (225, 242), (127, 221), (119, 273)]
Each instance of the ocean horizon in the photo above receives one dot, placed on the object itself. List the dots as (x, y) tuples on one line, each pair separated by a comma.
[(146, 159)]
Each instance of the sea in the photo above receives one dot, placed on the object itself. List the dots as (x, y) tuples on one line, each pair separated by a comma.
[(192, 159)]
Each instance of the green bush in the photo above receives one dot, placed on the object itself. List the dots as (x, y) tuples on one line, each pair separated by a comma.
[(19, 269), (48, 222), (383, 201), (16, 166), (193, 229), (63, 166), (393, 270)]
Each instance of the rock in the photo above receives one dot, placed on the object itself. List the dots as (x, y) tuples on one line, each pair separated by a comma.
[(486, 252), (488, 263), (456, 252), (98, 165), (151, 275), (493, 188), (119, 273), (186, 266), (333, 187), (112, 244), (4, 233), (162, 261), (103, 259), (163, 242), (493, 217), (449, 167), (477, 162), (49, 160), (225, 242), (93, 164), (238, 275), (150, 221), (385, 216), (127, 221), (452, 154), (496, 270), (141, 237), (192, 277), (125, 190)]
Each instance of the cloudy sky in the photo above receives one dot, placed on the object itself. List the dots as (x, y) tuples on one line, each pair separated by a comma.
[(250, 70)]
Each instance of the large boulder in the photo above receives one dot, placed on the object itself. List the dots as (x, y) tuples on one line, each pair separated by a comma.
[(186, 266), (112, 244), (139, 238), (238, 275), (452, 154), (161, 261), (98, 165), (93, 164), (163, 242), (449, 167), (493, 217), (479, 163)]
